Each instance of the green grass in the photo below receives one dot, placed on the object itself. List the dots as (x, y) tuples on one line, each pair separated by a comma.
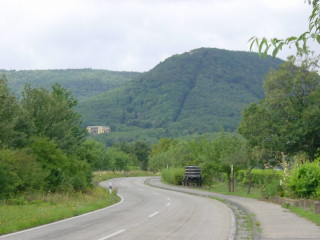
[(311, 216), (222, 188), (44, 209)]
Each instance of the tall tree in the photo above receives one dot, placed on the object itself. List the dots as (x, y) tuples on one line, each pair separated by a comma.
[(9, 116), (141, 150), (285, 121), (50, 114)]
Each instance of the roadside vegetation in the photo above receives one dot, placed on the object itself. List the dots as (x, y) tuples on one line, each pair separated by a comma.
[(25, 212), (274, 153)]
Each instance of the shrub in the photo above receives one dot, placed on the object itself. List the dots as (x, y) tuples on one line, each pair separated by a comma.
[(173, 175), (304, 180), (19, 173), (271, 189)]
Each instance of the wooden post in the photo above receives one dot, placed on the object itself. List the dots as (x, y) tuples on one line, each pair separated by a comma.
[(317, 207)]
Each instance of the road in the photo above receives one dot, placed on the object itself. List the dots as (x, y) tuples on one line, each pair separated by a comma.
[(144, 213)]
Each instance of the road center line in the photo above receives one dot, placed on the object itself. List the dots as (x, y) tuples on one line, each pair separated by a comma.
[(112, 235), (153, 214)]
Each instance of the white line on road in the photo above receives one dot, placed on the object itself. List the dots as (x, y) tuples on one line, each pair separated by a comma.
[(168, 199), (168, 204), (112, 235), (153, 214)]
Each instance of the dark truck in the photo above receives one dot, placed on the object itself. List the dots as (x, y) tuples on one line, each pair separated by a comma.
[(193, 176)]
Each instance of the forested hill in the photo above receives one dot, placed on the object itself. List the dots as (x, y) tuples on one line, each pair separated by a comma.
[(83, 83), (199, 91)]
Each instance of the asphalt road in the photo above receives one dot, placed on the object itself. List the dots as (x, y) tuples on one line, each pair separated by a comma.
[(143, 213)]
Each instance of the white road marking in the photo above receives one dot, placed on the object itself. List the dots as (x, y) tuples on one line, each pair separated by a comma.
[(168, 199), (153, 214), (168, 204), (64, 220), (112, 235)]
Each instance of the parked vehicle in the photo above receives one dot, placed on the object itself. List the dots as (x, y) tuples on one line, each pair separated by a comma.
[(192, 176)]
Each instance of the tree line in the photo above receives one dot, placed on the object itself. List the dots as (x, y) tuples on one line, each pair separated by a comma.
[(44, 148), (40, 139)]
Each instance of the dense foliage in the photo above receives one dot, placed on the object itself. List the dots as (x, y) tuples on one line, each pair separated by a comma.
[(40, 140), (83, 83), (304, 181), (286, 121), (195, 92)]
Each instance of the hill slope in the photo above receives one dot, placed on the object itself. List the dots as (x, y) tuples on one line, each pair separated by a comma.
[(83, 83), (199, 91)]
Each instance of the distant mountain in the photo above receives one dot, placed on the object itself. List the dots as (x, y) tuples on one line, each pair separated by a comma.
[(83, 83), (200, 91)]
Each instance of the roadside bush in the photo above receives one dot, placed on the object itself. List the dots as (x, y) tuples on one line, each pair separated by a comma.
[(19, 173), (304, 180), (173, 175), (6, 180), (65, 172), (271, 189)]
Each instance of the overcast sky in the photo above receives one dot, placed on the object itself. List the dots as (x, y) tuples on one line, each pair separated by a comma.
[(135, 35)]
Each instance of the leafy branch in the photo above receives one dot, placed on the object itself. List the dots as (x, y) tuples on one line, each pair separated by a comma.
[(264, 45)]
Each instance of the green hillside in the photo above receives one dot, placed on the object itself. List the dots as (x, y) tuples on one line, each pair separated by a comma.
[(196, 92), (83, 83)]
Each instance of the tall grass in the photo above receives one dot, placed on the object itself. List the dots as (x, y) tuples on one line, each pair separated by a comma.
[(173, 175)]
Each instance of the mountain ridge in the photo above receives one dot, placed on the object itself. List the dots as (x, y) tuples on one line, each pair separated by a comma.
[(83, 83), (195, 92)]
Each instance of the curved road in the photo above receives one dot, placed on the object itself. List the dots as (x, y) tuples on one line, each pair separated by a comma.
[(143, 213)]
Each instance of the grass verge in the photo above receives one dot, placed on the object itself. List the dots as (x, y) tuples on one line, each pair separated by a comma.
[(247, 227), (222, 188), (43, 209), (256, 194), (311, 216)]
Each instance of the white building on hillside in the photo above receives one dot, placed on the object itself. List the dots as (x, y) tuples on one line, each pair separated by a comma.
[(98, 129)]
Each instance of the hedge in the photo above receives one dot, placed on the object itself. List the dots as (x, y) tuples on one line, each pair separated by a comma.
[(259, 177)]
